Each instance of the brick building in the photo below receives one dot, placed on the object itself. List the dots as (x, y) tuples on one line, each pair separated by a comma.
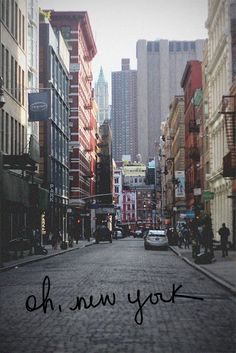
[(192, 83)]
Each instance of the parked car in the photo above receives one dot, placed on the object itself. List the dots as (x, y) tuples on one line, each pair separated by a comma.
[(103, 233), (117, 234), (156, 239)]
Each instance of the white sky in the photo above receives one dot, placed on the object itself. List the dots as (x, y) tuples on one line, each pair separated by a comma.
[(118, 24)]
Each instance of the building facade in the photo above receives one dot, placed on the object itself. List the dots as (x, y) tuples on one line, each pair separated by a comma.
[(192, 86), (54, 133), (124, 112), (16, 166), (160, 66), (76, 29), (220, 71), (102, 98)]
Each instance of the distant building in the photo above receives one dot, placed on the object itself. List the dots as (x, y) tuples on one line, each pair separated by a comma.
[(102, 98), (160, 66), (124, 112)]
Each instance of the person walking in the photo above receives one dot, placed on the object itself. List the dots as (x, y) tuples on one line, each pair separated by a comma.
[(224, 234), (186, 236)]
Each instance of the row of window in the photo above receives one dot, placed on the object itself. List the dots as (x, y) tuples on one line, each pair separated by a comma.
[(14, 20), (59, 145), (13, 76), (60, 113), (58, 77), (173, 46), (12, 134), (60, 177)]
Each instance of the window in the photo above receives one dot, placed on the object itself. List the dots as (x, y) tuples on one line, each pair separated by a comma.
[(156, 46), (3, 63), (12, 75), (19, 82), (12, 17), (16, 21), (16, 149), (23, 139), (185, 46), (66, 31), (23, 87), (19, 138), (20, 27), (149, 46), (23, 32), (16, 66), (7, 13), (7, 70), (171, 46), (12, 135), (192, 45), (7, 133), (3, 10), (2, 130), (178, 46)]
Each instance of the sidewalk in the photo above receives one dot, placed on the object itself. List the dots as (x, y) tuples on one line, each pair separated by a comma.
[(222, 271), (7, 265)]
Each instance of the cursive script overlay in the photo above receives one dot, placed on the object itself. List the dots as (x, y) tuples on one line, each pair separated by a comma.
[(32, 304)]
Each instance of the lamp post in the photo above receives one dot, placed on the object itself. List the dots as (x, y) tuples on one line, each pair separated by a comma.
[(2, 102)]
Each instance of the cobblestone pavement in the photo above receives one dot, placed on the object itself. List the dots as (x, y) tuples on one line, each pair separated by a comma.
[(185, 326)]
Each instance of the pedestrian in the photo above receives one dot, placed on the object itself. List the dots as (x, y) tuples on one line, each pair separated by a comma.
[(186, 236), (224, 234), (54, 241)]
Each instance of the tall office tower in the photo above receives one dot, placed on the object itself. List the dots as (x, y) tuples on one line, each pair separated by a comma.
[(76, 29), (160, 66), (124, 112), (102, 98)]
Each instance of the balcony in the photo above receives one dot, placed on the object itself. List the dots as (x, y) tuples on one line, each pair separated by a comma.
[(88, 128), (194, 153), (229, 165), (193, 127), (89, 105)]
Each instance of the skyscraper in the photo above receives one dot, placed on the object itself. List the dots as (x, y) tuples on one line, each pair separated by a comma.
[(102, 98), (124, 112), (160, 66)]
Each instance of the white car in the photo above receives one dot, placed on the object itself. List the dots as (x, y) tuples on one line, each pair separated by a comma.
[(156, 239)]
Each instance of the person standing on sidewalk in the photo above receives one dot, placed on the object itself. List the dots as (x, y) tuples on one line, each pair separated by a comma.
[(224, 234)]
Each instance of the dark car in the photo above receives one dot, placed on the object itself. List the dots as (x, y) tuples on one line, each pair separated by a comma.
[(103, 234), (138, 234), (156, 239)]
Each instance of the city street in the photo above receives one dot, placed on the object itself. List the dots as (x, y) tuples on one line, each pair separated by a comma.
[(41, 310)]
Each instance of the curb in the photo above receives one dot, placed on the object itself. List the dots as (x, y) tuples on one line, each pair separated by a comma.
[(43, 257), (218, 280)]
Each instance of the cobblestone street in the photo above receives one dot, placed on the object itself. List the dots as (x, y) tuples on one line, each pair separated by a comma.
[(123, 267)]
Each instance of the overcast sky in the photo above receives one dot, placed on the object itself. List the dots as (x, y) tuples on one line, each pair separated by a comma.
[(118, 24)]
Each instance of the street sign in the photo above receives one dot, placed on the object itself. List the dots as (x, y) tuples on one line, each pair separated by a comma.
[(208, 195), (84, 214)]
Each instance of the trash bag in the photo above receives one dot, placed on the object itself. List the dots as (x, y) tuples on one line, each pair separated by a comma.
[(203, 258), (40, 250)]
